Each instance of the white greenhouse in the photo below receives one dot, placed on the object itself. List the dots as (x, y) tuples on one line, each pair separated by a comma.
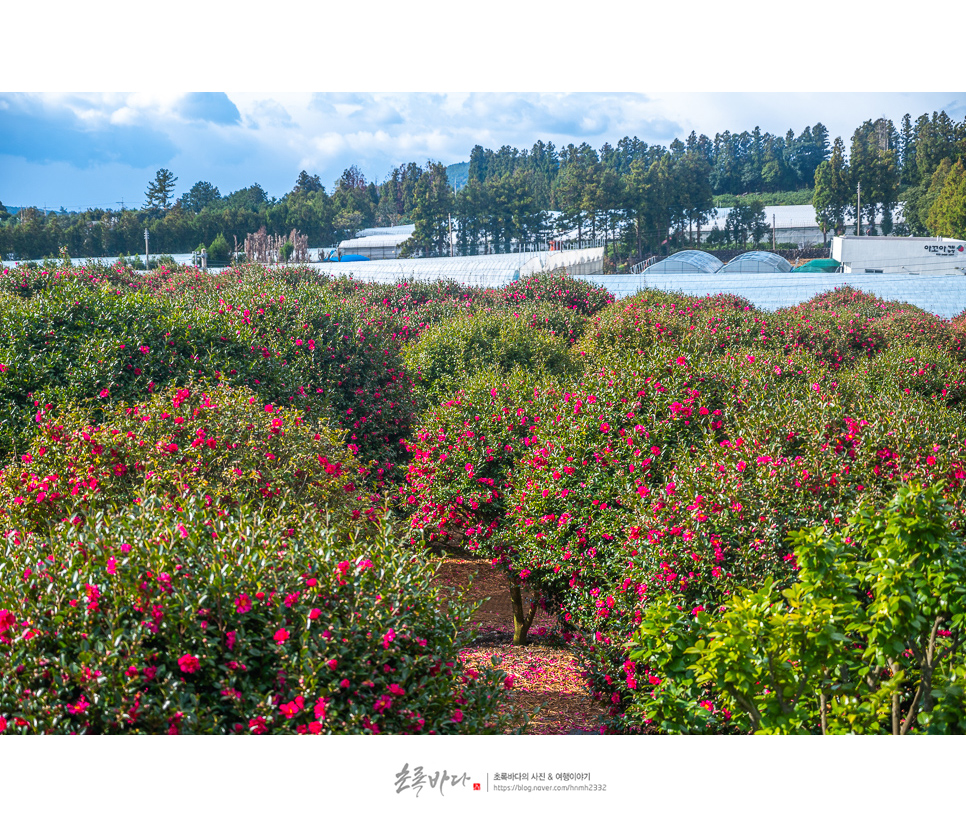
[(943, 295), (757, 261), (688, 260)]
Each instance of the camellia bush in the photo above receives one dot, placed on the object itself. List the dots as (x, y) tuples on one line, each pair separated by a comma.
[(642, 496), (464, 456), (639, 468), (214, 621), (84, 340), (223, 444), (557, 288), (447, 354)]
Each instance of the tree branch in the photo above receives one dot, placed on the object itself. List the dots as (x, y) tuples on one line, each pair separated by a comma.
[(746, 705), (776, 685)]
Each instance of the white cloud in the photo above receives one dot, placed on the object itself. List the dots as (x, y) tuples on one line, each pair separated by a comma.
[(280, 134)]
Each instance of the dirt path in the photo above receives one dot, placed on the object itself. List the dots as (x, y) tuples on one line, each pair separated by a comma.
[(545, 673)]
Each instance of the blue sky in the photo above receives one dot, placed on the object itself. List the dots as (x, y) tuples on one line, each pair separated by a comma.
[(102, 148)]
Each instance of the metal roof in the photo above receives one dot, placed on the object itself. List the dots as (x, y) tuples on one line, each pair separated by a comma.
[(375, 242), (405, 230)]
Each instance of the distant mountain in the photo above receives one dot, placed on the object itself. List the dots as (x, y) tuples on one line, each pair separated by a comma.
[(458, 174)]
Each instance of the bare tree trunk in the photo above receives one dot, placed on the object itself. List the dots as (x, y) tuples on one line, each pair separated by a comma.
[(521, 621)]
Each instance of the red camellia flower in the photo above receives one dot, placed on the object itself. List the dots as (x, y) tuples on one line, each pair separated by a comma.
[(281, 635), (189, 663)]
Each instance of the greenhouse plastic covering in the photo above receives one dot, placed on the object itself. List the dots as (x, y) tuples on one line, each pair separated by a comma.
[(690, 260), (943, 295), (476, 271), (757, 262)]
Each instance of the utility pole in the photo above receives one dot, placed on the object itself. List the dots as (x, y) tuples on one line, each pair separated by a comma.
[(858, 210), (773, 233), (146, 248)]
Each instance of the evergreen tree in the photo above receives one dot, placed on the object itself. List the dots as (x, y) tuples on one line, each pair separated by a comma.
[(920, 200), (160, 190), (250, 199), (354, 203), (306, 184), (432, 205), (809, 150), (873, 166), (832, 191), (909, 173), (746, 220), (575, 188), (725, 173), (947, 215), (201, 196), (937, 139), (694, 177)]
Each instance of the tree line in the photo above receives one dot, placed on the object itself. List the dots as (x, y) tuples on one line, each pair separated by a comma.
[(627, 195), (919, 164)]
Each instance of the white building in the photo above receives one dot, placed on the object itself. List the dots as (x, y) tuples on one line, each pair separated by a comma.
[(377, 244), (910, 255), (795, 224)]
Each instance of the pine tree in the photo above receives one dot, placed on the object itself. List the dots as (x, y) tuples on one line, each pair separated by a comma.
[(307, 185), (832, 190), (433, 203), (160, 190)]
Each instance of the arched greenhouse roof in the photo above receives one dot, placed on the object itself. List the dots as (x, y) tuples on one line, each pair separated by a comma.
[(689, 260), (757, 261)]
